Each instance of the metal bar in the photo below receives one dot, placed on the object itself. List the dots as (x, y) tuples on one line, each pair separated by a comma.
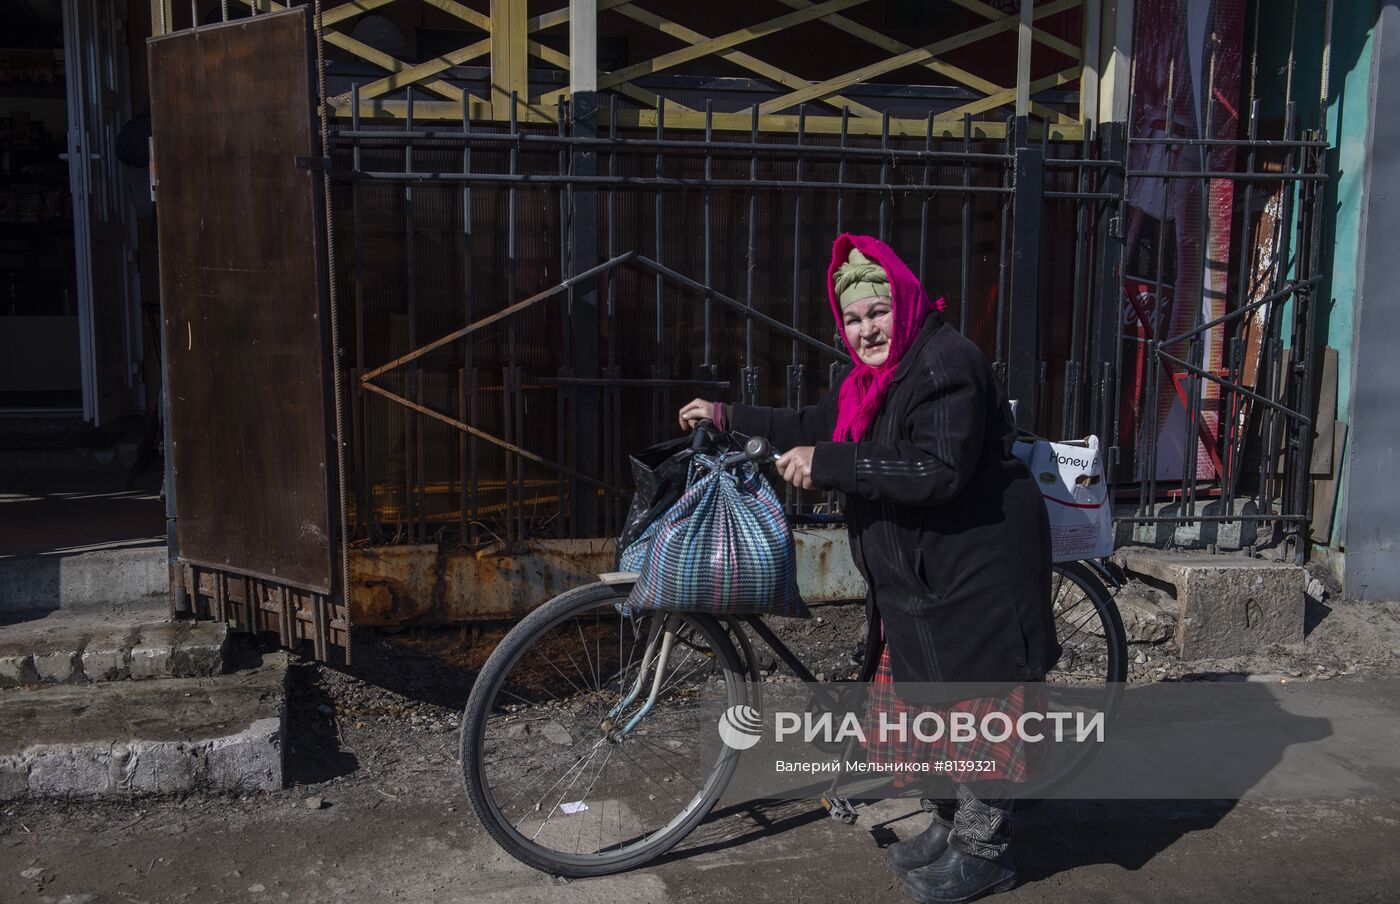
[(583, 312), (966, 281), (923, 205), (612, 412), (742, 308), (794, 378), (1276, 376), (886, 204), (643, 182), (1196, 350), (220, 596), (1210, 519), (561, 451), (411, 424), (1270, 403), (364, 510), (1079, 302), (1148, 489), (707, 361), (632, 381), (1246, 256), (1111, 321), (498, 316), (658, 366), (515, 483), (840, 168), (1024, 333), (466, 376), (1253, 142), (1004, 263), (750, 375), (473, 411), (1225, 174), (1293, 286), (420, 483), (463, 465), (1304, 342), (761, 628), (495, 440), (719, 148), (284, 616)]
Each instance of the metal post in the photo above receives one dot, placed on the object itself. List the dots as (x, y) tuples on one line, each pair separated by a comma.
[(1104, 354), (583, 235), (1023, 367)]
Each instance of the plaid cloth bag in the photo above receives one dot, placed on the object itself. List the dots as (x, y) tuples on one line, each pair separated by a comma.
[(724, 548)]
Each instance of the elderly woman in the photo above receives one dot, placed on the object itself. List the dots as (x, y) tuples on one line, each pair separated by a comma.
[(946, 524)]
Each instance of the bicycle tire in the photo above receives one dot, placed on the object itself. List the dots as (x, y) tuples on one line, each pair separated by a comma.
[(1109, 626), (487, 686)]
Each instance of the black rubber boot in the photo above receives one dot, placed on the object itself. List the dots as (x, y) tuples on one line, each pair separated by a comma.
[(921, 850), (957, 877)]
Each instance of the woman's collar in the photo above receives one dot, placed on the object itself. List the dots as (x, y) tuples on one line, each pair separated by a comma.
[(931, 325)]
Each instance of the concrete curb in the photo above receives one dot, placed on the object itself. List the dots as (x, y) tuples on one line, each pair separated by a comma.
[(72, 649), (53, 753), (250, 760)]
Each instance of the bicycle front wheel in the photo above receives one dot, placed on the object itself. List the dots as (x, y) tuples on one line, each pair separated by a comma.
[(590, 742)]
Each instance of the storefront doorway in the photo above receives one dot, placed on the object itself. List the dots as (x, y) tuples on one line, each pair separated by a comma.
[(70, 336)]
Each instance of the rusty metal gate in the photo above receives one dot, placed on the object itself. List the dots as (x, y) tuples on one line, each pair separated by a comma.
[(620, 272), (244, 292)]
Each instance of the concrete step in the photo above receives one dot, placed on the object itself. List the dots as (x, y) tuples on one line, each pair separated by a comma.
[(123, 738), (111, 580), (49, 444), (1226, 605), (74, 648), (1149, 615)]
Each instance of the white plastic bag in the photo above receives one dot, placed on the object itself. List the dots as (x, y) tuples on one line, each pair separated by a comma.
[(1070, 476)]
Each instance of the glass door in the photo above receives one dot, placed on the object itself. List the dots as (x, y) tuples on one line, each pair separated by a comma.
[(104, 223)]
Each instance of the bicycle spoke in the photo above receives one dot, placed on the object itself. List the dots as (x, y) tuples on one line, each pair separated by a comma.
[(657, 752), (544, 776), (541, 742)]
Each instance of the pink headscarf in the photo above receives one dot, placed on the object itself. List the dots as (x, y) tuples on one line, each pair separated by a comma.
[(865, 386)]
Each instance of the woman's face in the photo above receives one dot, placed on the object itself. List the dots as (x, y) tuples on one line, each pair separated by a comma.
[(869, 326)]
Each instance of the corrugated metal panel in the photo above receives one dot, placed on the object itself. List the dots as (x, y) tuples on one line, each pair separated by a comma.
[(232, 109)]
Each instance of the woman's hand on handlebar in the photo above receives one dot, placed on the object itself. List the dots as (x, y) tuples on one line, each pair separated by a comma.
[(695, 411), (795, 466)]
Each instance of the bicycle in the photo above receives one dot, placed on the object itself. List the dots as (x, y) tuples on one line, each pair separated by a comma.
[(553, 701)]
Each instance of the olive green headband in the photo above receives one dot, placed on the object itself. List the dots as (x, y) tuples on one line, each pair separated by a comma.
[(860, 278)]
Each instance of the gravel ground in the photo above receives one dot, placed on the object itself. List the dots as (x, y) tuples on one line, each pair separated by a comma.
[(375, 808)]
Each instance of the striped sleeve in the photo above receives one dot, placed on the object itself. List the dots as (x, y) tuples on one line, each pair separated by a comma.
[(945, 429)]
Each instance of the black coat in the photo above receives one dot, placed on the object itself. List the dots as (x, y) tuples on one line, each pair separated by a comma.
[(947, 526)]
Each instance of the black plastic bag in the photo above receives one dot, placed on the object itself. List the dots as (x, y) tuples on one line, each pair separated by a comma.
[(660, 473)]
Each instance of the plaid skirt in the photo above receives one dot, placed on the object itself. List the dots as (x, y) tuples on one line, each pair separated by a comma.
[(1013, 759)]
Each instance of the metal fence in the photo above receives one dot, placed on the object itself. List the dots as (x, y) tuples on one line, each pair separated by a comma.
[(597, 279), (1237, 233), (530, 281), (598, 275)]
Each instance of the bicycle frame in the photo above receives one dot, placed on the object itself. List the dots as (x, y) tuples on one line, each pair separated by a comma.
[(664, 629)]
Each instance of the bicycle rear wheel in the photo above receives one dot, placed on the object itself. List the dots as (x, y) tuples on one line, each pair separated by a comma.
[(558, 770), (1092, 667)]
